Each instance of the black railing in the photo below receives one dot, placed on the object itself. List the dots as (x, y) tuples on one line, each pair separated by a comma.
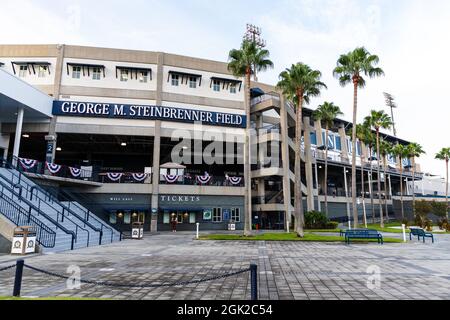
[(20, 217), (50, 198)]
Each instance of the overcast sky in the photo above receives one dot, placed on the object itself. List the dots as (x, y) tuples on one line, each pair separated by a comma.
[(411, 37)]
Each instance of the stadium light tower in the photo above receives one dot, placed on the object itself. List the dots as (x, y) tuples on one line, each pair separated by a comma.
[(390, 102), (253, 34)]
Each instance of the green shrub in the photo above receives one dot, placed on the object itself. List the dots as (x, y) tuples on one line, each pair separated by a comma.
[(428, 225), (316, 220), (406, 222), (439, 209), (331, 225)]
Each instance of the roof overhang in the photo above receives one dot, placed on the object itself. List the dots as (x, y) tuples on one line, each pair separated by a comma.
[(15, 94)]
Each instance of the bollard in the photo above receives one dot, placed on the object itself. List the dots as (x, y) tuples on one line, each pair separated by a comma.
[(254, 281), (404, 232), (198, 225), (18, 279)]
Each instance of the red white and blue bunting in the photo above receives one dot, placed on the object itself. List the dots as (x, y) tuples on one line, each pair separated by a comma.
[(113, 176), (171, 178), (75, 172), (27, 164), (235, 180), (53, 168), (139, 176), (204, 179)]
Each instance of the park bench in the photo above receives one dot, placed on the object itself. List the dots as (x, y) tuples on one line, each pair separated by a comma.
[(363, 234), (420, 233), (343, 231)]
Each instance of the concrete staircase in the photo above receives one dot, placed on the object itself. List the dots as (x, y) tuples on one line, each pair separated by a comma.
[(67, 219)]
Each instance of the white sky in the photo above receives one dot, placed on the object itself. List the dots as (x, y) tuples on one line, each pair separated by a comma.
[(411, 37)]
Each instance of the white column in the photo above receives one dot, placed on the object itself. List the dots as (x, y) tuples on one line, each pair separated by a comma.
[(18, 134), (346, 197)]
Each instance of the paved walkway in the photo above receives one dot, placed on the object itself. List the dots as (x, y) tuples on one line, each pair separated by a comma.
[(287, 270)]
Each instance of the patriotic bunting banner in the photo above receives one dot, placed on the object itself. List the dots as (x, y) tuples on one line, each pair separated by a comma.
[(114, 176), (27, 164), (139, 176), (75, 172), (204, 179), (171, 178), (52, 167), (235, 180)]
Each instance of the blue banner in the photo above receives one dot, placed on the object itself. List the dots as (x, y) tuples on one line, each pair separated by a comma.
[(145, 112)]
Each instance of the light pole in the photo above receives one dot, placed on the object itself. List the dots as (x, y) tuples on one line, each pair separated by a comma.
[(253, 34), (390, 102)]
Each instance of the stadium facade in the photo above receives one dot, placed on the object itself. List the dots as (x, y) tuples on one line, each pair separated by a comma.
[(118, 115)]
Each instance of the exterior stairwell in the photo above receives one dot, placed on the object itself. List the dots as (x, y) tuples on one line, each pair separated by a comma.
[(74, 226)]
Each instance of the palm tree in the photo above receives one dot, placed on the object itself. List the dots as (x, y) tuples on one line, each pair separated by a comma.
[(415, 150), (370, 142), (327, 113), (401, 152), (444, 154), (299, 83), (385, 150), (244, 62), (362, 132), (350, 69), (379, 120)]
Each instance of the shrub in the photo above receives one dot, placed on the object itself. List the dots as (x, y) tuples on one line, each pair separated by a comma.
[(315, 220), (439, 209), (423, 208), (406, 222), (331, 225)]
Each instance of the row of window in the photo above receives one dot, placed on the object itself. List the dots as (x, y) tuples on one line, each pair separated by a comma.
[(41, 71), (192, 83), (218, 215), (142, 76)]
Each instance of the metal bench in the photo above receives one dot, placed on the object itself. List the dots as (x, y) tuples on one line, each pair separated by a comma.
[(343, 231), (363, 234), (420, 233)]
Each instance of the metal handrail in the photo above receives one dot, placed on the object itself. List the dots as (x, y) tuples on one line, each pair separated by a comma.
[(31, 188), (58, 214), (40, 212), (17, 215)]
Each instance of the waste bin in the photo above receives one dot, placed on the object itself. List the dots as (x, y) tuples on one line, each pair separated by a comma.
[(231, 226), (24, 240), (137, 230)]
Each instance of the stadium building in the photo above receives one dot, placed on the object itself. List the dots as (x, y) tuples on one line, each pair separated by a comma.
[(96, 126)]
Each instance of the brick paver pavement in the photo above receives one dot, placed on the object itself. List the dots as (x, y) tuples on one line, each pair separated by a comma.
[(287, 270)]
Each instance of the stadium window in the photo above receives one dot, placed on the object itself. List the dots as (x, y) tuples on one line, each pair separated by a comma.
[(143, 76), (96, 73), (217, 215), (313, 138), (192, 82), (175, 80), (123, 75), (236, 214), (338, 143), (76, 72), (23, 71), (216, 85), (233, 88), (42, 71)]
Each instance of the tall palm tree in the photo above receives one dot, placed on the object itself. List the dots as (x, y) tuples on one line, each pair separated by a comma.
[(415, 150), (244, 62), (379, 120), (327, 113), (362, 132), (371, 142), (299, 83), (444, 154), (401, 152), (350, 69), (385, 150)]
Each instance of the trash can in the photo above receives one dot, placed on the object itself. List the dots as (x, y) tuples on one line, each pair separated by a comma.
[(231, 226), (137, 230), (24, 240)]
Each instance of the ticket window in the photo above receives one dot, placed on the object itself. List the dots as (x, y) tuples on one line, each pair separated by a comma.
[(138, 216)]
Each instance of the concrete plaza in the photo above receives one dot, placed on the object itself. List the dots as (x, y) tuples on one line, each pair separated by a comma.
[(287, 270)]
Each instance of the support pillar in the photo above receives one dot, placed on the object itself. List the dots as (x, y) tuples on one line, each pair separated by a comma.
[(344, 146), (156, 149), (308, 164), (317, 186), (346, 197), (18, 136), (285, 161)]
